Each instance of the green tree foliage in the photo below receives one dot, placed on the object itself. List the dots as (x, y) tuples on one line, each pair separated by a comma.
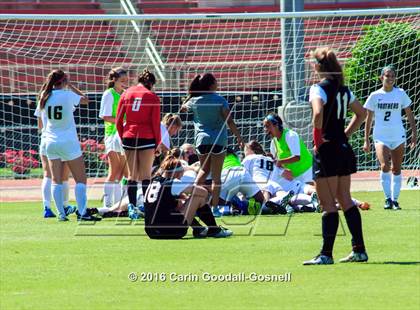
[(387, 43)]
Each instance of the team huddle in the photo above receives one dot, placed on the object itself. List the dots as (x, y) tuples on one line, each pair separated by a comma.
[(177, 188)]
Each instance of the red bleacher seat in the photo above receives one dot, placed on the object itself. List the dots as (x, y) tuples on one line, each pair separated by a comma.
[(13, 5)]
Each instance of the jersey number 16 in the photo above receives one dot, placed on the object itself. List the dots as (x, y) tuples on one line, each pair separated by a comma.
[(55, 112)]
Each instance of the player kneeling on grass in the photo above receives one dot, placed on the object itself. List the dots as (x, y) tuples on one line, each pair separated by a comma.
[(168, 218)]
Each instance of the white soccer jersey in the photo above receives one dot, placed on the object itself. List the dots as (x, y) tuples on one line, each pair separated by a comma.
[(41, 114), (166, 140), (259, 166), (107, 102), (387, 107), (59, 111)]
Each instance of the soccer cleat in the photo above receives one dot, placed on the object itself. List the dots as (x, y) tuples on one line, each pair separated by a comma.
[(388, 204), (216, 212), (223, 233), (254, 207), (320, 260), (290, 209), (48, 213), (88, 218), (62, 218), (134, 213), (200, 232), (276, 208), (364, 205), (355, 257), (70, 210), (396, 205)]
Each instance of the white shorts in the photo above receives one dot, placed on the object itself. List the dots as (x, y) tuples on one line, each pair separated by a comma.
[(113, 144), (392, 145), (305, 177), (266, 185), (65, 150), (235, 180), (43, 147)]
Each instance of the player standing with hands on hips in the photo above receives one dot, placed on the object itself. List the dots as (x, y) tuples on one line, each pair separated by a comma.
[(389, 135), (334, 159)]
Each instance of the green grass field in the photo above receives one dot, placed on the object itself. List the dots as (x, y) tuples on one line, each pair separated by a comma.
[(50, 265)]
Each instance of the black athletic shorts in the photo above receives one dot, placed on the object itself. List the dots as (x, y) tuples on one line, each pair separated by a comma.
[(209, 148), (138, 144), (172, 227), (334, 159)]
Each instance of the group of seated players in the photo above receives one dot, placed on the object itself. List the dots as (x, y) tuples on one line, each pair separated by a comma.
[(252, 186)]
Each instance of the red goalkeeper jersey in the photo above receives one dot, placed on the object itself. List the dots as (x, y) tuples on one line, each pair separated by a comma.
[(138, 114)]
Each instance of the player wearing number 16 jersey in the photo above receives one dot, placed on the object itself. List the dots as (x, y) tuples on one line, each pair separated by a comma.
[(389, 136), (138, 125), (57, 99), (334, 159)]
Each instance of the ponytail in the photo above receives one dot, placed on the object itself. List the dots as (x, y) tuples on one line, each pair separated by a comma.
[(55, 78), (200, 85), (328, 64)]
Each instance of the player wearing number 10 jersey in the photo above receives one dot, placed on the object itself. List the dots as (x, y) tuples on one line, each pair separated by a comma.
[(138, 125)]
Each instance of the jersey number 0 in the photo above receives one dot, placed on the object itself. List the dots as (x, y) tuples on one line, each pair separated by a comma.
[(136, 104)]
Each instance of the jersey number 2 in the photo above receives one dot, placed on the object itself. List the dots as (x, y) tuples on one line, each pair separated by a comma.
[(136, 104), (387, 116), (56, 113)]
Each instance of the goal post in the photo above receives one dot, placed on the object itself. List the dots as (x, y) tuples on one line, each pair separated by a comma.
[(243, 51)]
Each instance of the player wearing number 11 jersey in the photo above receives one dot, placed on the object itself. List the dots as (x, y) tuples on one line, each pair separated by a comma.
[(334, 159)]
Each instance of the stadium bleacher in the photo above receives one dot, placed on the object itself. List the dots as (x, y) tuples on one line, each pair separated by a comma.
[(186, 45)]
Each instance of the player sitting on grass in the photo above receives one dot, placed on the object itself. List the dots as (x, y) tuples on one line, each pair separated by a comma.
[(166, 217)]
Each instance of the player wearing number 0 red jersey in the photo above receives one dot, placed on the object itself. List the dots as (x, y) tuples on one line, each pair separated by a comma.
[(138, 125), (389, 135)]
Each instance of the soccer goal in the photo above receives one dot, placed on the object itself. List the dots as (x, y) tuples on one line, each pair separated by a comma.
[(261, 61)]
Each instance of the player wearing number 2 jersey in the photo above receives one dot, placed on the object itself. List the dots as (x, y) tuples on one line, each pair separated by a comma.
[(389, 135), (138, 125), (334, 159)]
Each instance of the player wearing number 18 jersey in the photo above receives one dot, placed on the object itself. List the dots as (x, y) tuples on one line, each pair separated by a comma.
[(138, 125), (334, 159)]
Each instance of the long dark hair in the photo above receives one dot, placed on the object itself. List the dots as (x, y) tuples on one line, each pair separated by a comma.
[(55, 78), (114, 75), (147, 78), (256, 147), (329, 64), (200, 85)]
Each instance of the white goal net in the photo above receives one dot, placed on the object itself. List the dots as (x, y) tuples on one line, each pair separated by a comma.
[(244, 51)]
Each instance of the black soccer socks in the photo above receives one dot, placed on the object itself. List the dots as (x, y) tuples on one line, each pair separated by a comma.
[(329, 231), (354, 223), (132, 192)]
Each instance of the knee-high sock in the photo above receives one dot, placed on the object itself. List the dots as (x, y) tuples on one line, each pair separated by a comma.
[(81, 199), (204, 213), (132, 192), (46, 192), (329, 231), (108, 194), (144, 186), (117, 192), (354, 222), (65, 194), (396, 186), (386, 183), (57, 191)]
